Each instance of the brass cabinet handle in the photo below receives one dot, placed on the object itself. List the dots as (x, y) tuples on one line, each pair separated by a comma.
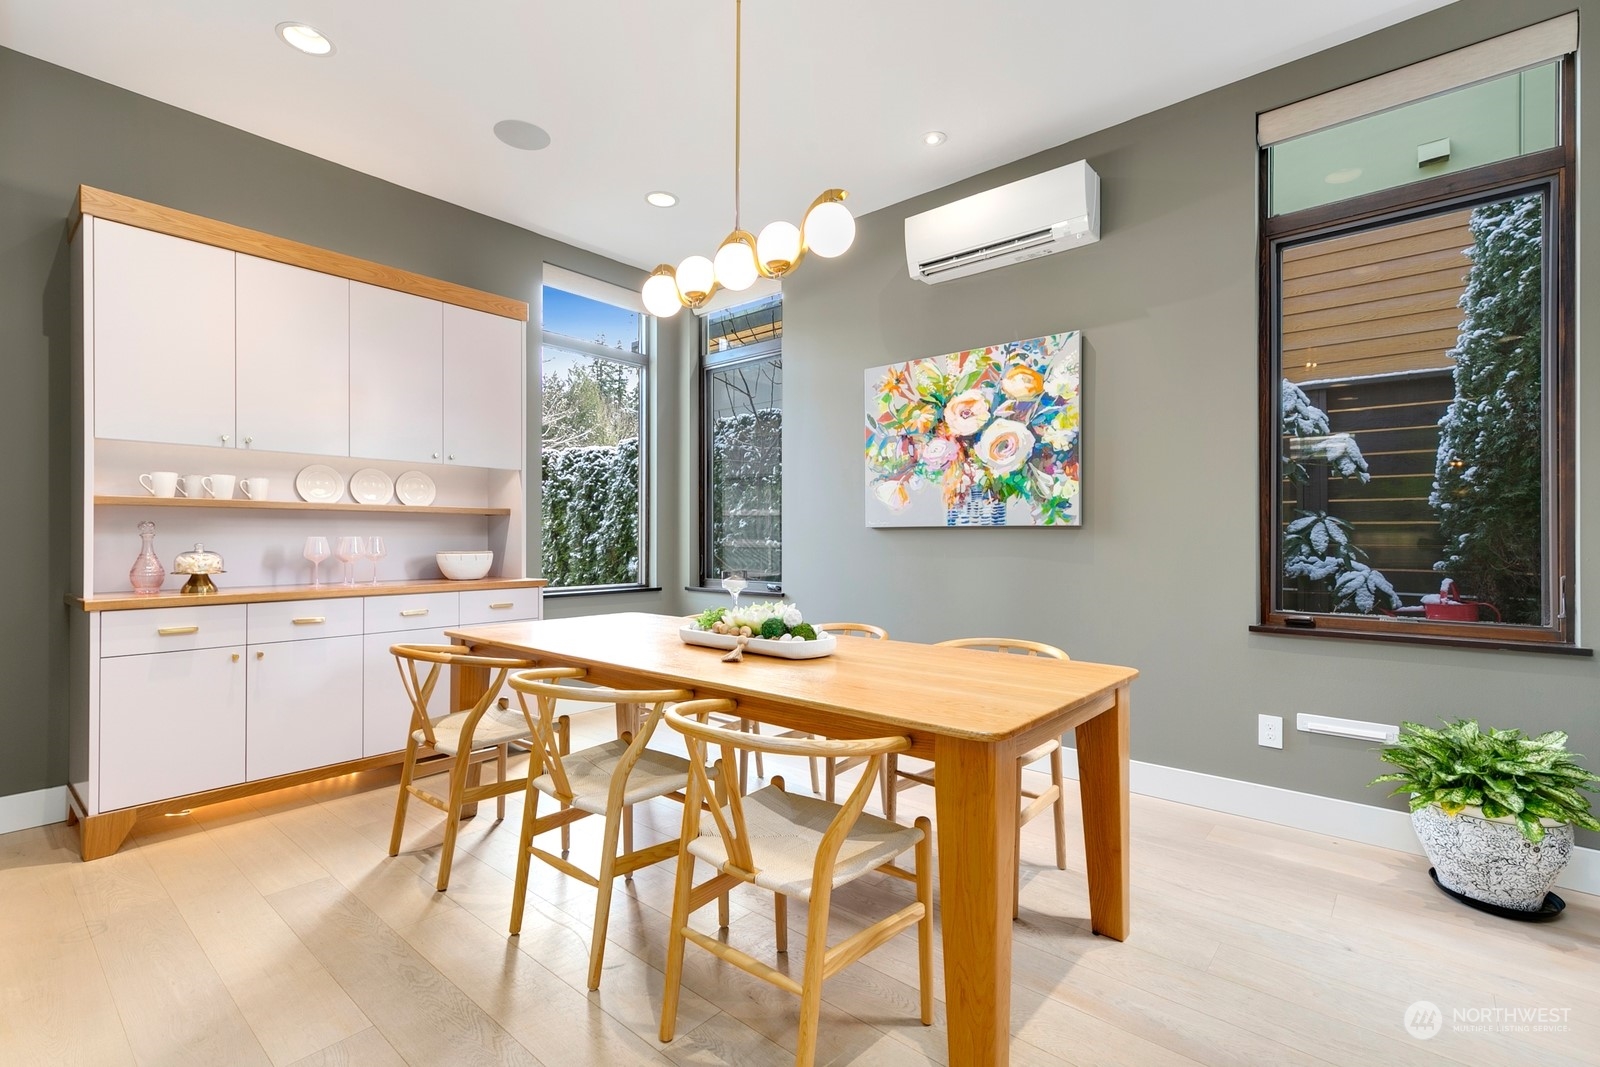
[(236, 657), (411, 612), (177, 631), (502, 606), (310, 620), (261, 655)]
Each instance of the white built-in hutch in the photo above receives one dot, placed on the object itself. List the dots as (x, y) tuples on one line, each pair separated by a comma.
[(206, 348)]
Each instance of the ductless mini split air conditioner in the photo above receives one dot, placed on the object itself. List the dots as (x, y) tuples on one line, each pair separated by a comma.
[(1026, 219)]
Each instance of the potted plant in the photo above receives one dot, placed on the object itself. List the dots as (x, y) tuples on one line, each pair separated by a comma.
[(1495, 810)]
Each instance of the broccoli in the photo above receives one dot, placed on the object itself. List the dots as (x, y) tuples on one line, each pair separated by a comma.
[(773, 628)]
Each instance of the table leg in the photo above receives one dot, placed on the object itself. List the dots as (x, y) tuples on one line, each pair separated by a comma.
[(976, 796), (628, 717), (1103, 784)]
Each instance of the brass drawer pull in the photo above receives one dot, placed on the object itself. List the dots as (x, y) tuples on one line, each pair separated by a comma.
[(411, 612), (177, 631), (310, 620), (502, 606)]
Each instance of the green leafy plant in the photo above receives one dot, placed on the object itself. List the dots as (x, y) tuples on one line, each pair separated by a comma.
[(1501, 771), (709, 618)]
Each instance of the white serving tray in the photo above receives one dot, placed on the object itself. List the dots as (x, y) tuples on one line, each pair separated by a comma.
[(822, 646)]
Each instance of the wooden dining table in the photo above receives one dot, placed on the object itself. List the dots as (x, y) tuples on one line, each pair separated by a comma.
[(971, 712)]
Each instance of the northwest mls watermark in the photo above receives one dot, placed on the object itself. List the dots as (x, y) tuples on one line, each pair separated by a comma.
[(1424, 1020)]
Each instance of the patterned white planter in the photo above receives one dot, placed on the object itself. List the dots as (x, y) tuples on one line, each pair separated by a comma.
[(1489, 859)]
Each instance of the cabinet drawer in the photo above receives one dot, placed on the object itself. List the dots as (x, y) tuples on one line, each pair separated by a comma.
[(421, 611), (131, 633), (301, 620), (480, 606)]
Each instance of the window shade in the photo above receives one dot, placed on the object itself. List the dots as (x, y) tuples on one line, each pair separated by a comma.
[(1487, 59)]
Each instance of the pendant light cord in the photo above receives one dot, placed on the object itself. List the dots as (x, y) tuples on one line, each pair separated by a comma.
[(738, 80)]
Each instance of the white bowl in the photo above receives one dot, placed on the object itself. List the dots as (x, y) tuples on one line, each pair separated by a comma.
[(465, 566)]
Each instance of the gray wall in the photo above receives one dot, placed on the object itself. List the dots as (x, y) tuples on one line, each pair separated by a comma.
[(1162, 575), (59, 129)]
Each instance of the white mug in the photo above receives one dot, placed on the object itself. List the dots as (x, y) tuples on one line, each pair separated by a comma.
[(160, 483), (219, 486), (255, 488), (192, 486)]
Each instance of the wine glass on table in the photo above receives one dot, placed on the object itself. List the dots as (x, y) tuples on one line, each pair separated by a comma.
[(376, 550), (347, 552), (735, 584), (316, 551)]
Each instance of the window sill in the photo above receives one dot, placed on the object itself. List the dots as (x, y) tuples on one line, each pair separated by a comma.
[(776, 594), (600, 590), (1484, 643)]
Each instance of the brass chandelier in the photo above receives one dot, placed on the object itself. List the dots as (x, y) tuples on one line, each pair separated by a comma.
[(827, 229)]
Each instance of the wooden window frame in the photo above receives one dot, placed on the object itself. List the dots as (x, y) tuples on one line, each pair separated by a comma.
[(1553, 169)]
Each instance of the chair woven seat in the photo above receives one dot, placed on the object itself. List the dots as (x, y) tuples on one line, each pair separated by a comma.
[(785, 833), (496, 727), (589, 773)]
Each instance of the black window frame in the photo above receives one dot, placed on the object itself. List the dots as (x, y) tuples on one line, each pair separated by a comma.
[(756, 352), (1553, 169)]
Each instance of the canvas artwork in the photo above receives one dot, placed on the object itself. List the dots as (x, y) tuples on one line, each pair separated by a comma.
[(986, 437)]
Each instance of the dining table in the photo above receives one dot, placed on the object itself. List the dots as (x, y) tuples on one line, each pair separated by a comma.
[(972, 712)]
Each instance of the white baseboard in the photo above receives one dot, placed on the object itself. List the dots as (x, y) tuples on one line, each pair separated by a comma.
[(24, 811), (1306, 811)]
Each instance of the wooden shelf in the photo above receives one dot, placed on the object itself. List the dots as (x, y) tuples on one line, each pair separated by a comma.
[(266, 594), (287, 505)]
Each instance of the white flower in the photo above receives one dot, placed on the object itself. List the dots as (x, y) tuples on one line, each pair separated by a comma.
[(894, 494), (966, 413), (1005, 446), (792, 617)]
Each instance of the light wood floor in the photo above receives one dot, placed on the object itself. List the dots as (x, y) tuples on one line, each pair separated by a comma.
[(278, 932)]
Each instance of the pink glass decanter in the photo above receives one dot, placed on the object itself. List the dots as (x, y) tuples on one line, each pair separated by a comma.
[(148, 573)]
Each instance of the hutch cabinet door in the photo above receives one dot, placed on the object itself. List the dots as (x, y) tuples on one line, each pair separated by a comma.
[(386, 710), (396, 374), (482, 389), (304, 705), (294, 359), (163, 337), (171, 724)]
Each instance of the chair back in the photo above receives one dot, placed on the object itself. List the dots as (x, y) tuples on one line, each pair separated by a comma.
[(1014, 645), (419, 686), (855, 629), (545, 685), (726, 805)]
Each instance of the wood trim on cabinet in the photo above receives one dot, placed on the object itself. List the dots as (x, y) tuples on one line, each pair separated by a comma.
[(131, 212), (102, 835), (271, 594)]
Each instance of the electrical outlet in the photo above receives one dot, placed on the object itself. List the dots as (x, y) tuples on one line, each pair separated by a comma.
[(1269, 731)]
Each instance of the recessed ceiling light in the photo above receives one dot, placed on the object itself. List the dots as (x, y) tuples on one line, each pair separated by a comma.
[(660, 199), (523, 135), (303, 38), (934, 137), (1343, 177)]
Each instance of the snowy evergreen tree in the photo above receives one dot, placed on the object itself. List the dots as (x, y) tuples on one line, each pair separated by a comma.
[(1487, 486), (1318, 553)]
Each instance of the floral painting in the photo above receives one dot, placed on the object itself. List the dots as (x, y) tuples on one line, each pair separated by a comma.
[(986, 437)]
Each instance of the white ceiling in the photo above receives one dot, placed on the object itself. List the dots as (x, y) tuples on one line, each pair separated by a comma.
[(637, 94)]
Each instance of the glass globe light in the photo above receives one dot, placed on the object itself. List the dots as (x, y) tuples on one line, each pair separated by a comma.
[(778, 248), (697, 279), (735, 264), (660, 293), (829, 227)]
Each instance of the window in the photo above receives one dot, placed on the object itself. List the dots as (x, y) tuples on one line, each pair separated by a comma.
[(1417, 369), (593, 371), (741, 403)]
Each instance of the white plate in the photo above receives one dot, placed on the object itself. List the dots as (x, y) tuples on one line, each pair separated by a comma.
[(415, 488), (822, 646), (371, 486), (319, 484)]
